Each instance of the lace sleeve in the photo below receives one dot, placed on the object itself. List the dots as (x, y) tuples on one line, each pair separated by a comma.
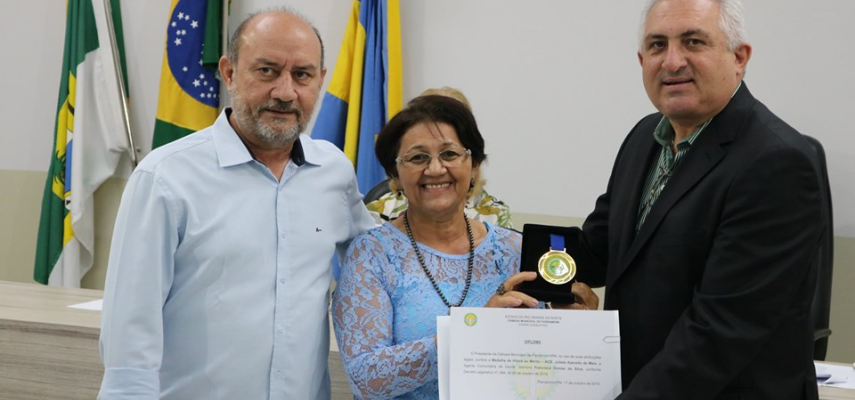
[(363, 317)]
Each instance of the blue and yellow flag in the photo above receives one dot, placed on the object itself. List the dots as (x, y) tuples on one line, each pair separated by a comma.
[(365, 90), (90, 142), (189, 86)]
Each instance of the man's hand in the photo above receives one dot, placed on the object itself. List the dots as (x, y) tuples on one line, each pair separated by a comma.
[(586, 299)]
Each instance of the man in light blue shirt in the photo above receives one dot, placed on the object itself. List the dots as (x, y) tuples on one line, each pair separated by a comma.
[(219, 273)]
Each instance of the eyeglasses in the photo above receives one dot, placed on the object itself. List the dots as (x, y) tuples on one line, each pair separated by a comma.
[(449, 158)]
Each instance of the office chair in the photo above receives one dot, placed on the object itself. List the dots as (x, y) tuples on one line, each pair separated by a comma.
[(377, 191), (821, 304)]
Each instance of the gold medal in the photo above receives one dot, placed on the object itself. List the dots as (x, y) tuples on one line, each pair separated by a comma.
[(556, 267)]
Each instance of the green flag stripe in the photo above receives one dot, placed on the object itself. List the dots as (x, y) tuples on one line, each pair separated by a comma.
[(49, 245), (213, 29), (167, 132), (116, 9), (84, 33)]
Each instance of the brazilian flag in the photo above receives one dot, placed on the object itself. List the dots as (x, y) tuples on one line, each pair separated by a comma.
[(189, 97)]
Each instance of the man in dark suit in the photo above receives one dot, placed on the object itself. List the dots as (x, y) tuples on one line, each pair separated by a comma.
[(706, 234)]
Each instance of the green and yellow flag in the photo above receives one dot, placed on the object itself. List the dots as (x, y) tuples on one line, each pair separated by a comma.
[(90, 142), (189, 86)]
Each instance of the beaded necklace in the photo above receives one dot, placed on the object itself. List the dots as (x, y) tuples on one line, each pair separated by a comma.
[(425, 269)]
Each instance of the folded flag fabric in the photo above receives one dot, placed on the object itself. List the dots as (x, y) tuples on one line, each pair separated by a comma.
[(90, 142), (366, 87), (188, 100)]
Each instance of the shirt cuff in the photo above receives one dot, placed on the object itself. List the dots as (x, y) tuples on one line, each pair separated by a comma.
[(130, 384)]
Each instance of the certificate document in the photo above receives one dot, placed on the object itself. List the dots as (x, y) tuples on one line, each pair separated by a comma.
[(512, 353)]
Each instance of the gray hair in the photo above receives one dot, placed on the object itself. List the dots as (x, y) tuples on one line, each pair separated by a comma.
[(731, 20), (235, 42)]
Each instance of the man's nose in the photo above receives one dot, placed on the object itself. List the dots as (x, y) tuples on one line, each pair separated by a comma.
[(284, 89), (674, 59)]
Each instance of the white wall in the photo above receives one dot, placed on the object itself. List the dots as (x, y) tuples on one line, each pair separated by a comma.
[(30, 72), (555, 84)]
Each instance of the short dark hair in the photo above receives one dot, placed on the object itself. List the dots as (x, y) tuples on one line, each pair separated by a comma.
[(235, 42), (429, 109)]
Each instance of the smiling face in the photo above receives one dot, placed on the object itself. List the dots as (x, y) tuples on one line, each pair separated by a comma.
[(276, 80), (437, 190), (689, 72)]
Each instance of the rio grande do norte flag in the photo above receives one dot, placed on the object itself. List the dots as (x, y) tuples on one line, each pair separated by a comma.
[(90, 143)]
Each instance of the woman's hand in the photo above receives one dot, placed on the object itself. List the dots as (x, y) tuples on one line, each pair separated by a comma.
[(506, 295), (586, 299)]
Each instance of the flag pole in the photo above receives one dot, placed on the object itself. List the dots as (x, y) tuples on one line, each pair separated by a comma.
[(121, 80), (224, 44)]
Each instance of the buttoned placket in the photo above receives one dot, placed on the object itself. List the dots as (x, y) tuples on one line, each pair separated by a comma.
[(281, 318)]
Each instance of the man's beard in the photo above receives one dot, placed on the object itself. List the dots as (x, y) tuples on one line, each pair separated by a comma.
[(250, 122)]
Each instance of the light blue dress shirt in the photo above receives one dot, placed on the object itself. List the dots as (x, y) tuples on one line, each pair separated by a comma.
[(219, 275)]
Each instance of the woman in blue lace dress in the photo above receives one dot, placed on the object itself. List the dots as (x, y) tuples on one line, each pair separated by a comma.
[(399, 276)]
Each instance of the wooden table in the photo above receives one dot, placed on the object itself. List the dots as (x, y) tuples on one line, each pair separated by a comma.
[(49, 351)]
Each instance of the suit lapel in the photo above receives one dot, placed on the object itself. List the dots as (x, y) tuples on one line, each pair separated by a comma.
[(645, 155), (702, 157), (707, 151)]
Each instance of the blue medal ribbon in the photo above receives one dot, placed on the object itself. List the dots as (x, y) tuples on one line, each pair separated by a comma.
[(556, 242)]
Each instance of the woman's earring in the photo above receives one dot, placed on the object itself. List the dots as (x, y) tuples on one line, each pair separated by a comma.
[(471, 184), (396, 187)]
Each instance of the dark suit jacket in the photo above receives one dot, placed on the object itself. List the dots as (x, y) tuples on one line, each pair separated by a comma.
[(714, 290)]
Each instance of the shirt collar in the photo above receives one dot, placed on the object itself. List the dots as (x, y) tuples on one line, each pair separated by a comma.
[(232, 151), (664, 132), (305, 151)]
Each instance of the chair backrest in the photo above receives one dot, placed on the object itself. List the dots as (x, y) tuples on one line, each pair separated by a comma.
[(821, 305), (377, 191)]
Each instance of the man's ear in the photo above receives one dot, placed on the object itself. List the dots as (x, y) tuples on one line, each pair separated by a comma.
[(227, 70), (323, 76), (742, 55)]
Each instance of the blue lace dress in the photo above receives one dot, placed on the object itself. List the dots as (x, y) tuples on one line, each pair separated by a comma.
[(385, 308)]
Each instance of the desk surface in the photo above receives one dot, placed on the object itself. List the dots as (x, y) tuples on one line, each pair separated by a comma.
[(47, 350), (830, 393), (38, 333), (38, 330), (26, 302)]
